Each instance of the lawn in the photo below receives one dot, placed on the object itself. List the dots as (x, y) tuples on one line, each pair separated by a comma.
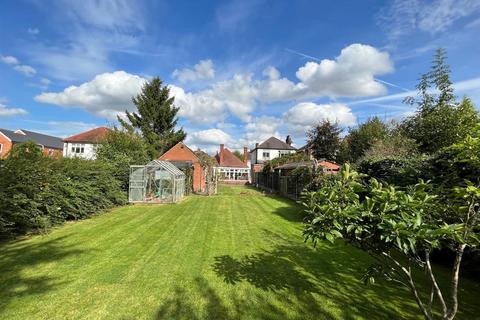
[(236, 255)]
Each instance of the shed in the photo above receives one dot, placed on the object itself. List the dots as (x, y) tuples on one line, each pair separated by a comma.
[(156, 182)]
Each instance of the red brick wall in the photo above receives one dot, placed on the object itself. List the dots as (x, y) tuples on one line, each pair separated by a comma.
[(181, 152), (6, 146)]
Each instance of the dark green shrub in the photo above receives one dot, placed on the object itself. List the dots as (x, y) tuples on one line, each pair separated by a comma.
[(396, 171), (37, 192)]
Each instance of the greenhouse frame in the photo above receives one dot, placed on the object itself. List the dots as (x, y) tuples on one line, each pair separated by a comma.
[(156, 182)]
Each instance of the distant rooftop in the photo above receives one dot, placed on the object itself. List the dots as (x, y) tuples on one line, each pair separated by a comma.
[(23, 135), (274, 143), (90, 136)]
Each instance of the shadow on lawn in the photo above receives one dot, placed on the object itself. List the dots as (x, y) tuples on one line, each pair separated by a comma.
[(16, 256), (310, 276)]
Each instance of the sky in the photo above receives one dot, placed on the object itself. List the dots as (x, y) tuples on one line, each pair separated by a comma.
[(241, 71)]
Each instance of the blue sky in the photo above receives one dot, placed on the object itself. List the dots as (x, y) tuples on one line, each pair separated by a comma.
[(241, 71)]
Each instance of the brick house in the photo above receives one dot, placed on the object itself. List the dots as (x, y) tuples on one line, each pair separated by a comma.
[(181, 155), (83, 145), (231, 169), (50, 145)]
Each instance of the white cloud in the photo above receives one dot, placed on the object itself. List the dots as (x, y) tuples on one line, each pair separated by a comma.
[(11, 112), (25, 69), (33, 31), (351, 74), (201, 71), (303, 116), (209, 140), (9, 59), (402, 17), (107, 95), (260, 129), (233, 15)]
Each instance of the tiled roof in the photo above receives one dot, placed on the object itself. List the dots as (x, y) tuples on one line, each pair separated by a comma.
[(274, 143), (230, 160), (39, 138), (329, 165), (90, 136)]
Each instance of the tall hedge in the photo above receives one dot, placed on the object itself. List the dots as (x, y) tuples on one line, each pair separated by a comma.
[(37, 192)]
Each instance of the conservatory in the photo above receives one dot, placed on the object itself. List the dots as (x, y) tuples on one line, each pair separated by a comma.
[(156, 182)]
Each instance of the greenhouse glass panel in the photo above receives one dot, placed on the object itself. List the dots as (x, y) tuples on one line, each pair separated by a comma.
[(156, 182)]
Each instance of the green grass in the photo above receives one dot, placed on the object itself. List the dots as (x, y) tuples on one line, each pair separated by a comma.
[(236, 255)]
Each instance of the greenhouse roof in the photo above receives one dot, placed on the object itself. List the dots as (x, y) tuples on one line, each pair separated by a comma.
[(167, 166)]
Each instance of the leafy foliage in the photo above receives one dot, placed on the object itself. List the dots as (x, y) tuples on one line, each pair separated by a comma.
[(156, 117), (324, 140), (440, 120), (362, 138), (398, 228), (120, 149), (38, 192), (238, 154)]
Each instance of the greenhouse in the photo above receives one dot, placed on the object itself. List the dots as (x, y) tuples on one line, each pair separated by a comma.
[(156, 182)]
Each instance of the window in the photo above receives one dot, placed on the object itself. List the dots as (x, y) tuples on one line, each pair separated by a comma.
[(266, 155), (283, 152), (1, 147), (78, 148)]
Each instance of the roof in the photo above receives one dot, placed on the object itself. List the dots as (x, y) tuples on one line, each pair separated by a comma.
[(230, 160), (329, 165), (180, 144), (39, 138), (294, 165), (274, 143), (90, 136)]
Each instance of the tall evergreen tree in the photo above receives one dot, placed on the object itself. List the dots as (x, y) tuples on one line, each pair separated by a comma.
[(440, 120), (324, 140), (156, 117)]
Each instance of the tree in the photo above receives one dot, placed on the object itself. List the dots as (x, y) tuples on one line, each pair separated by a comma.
[(120, 149), (393, 145), (324, 140), (156, 117), (399, 229), (440, 120), (238, 154), (360, 139)]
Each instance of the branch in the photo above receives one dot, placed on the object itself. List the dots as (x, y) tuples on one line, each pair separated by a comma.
[(411, 284), (455, 279), (435, 284)]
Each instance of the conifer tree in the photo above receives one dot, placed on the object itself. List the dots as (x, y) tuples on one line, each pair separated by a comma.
[(156, 117)]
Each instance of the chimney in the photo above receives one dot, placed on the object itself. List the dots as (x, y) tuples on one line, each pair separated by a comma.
[(256, 145), (222, 146), (245, 155), (288, 140)]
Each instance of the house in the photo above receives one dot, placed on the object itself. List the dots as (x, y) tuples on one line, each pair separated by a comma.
[(83, 145), (182, 156), (50, 145), (268, 150), (231, 169)]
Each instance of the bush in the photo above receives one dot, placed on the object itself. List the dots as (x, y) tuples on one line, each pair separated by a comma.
[(38, 192), (397, 171)]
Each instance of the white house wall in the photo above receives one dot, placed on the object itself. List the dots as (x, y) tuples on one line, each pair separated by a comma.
[(88, 152), (273, 153)]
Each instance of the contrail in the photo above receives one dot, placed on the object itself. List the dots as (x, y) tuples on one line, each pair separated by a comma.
[(391, 84), (317, 59), (301, 54)]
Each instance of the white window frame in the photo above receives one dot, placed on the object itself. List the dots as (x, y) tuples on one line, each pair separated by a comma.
[(1, 147), (267, 153)]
